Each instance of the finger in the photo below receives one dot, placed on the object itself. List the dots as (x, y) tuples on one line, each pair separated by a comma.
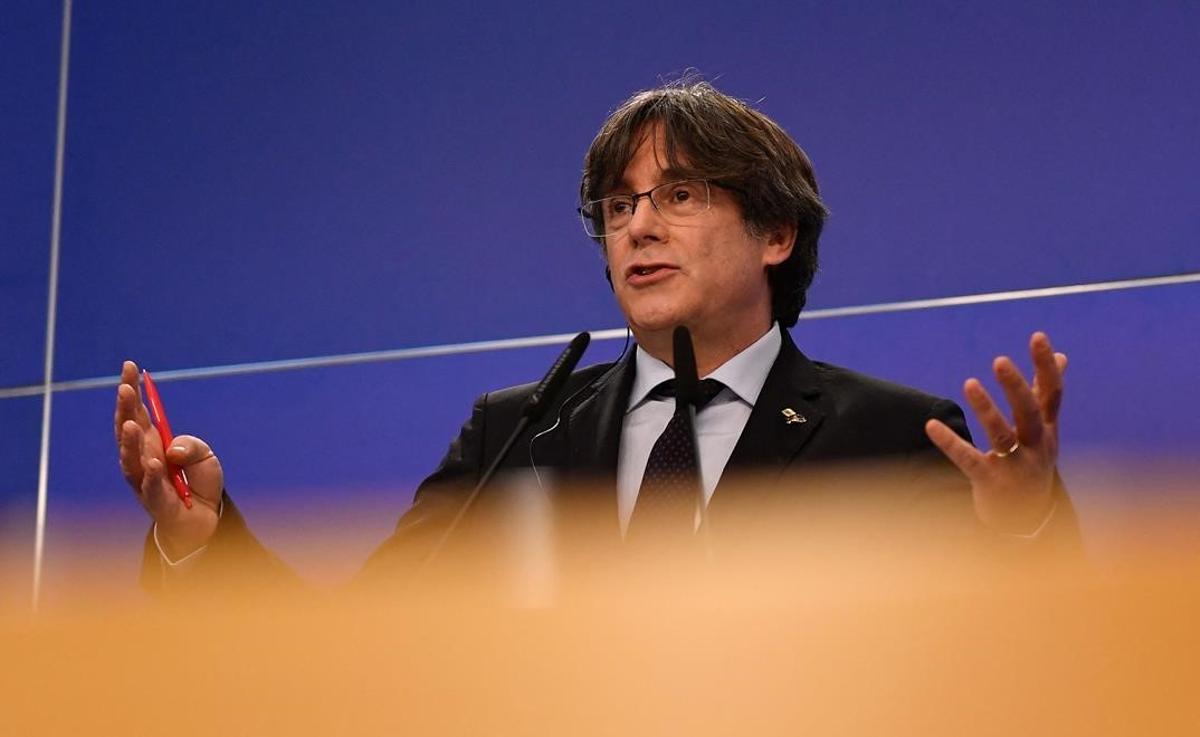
[(130, 454), (1047, 377), (155, 487), (995, 424), (118, 420), (961, 453), (1061, 360), (126, 410), (127, 368), (129, 373), (143, 414), (1026, 413), (187, 450), (129, 400), (200, 465)]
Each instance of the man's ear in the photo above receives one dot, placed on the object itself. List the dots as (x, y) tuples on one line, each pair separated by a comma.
[(778, 243)]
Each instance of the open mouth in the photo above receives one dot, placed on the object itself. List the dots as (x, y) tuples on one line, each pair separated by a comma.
[(648, 272)]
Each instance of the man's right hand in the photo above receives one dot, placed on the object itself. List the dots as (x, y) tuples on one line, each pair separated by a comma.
[(143, 461)]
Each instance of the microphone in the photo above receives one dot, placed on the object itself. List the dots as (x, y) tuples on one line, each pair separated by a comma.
[(687, 397), (687, 383), (535, 407), (544, 394)]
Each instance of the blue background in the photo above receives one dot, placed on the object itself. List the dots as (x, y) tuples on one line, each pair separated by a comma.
[(248, 182)]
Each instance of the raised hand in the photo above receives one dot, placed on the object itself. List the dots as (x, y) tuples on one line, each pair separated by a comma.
[(143, 462), (1013, 482)]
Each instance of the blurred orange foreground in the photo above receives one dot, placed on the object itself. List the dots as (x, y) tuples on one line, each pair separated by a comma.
[(845, 635)]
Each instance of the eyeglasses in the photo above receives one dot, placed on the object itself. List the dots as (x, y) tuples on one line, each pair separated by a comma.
[(674, 201)]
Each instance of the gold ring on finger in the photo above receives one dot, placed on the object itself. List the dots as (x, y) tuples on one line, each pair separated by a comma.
[(1016, 445)]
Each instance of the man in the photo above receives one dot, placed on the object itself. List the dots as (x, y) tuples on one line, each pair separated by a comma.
[(708, 215)]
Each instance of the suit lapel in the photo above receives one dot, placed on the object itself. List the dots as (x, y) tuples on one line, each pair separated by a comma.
[(594, 424), (783, 419)]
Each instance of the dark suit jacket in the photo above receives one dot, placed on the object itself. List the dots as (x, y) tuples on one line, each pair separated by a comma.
[(844, 420)]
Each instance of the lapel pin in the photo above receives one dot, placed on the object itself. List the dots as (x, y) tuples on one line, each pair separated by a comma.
[(792, 417)]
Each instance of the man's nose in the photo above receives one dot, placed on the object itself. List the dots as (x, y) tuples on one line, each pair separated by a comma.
[(646, 223)]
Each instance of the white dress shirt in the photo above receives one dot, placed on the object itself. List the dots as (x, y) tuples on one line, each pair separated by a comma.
[(718, 427)]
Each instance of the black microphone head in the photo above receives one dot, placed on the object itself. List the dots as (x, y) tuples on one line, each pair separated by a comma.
[(687, 382), (545, 392), (578, 345)]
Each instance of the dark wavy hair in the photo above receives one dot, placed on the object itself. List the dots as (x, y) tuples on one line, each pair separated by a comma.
[(710, 135)]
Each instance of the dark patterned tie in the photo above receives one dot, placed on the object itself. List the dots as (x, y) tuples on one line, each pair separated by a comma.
[(668, 496)]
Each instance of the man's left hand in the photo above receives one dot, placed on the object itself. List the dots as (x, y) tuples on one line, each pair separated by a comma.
[(1013, 483)]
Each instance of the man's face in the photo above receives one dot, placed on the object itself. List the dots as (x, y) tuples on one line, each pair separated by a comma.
[(706, 272)]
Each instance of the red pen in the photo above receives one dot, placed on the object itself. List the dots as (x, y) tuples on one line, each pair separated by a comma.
[(159, 415)]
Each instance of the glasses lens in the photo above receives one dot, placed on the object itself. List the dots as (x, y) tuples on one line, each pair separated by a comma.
[(590, 226), (606, 216), (674, 201), (681, 199)]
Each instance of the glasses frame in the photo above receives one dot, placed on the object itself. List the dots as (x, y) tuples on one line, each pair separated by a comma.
[(586, 219)]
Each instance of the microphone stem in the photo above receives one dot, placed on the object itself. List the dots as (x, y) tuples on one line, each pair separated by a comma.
[(522, 423)]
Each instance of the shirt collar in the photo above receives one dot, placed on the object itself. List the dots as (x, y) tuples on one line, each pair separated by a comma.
[(744, 374)]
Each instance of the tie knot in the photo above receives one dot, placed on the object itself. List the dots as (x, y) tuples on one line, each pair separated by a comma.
[(709, 389)]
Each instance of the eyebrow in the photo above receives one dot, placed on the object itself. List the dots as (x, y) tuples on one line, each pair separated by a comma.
[(665, 176)]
